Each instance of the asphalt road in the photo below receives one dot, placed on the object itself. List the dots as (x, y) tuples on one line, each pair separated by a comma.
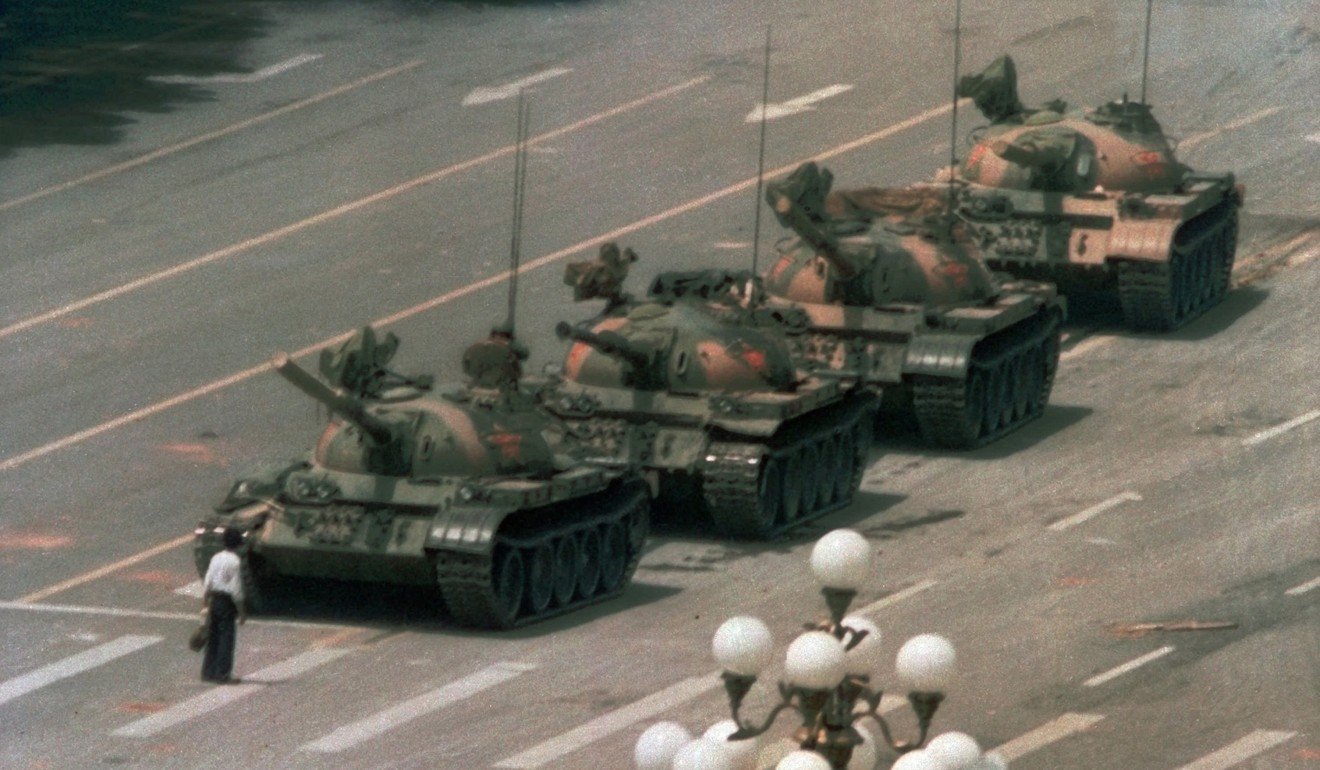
[(325, 172)]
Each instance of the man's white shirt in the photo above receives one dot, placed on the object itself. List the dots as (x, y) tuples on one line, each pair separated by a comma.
[(222, 575)]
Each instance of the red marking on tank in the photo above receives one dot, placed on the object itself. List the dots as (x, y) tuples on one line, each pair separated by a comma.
[(954, 271), (34, 542), (509, 444), (754, 358), (141, 706), (576, 355), (1148, 158), (977, 152), (783, 264)]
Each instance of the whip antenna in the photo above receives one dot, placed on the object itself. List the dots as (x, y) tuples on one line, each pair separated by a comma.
[(953, 122), (760, 156), (519, 185), (1145, 54)]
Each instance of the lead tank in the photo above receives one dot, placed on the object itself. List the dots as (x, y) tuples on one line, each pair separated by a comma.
[(474, 490), (891, 295), (705, 395), (1097, 202)]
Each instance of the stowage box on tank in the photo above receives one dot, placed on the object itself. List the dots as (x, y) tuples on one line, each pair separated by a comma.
[(476, 491), (1096, 202)]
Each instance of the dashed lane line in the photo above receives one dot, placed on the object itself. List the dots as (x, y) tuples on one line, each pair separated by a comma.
[(73, 665), (1280, 429), (896, 597), (1233, 125), (641, 224), (101, 572), (1241, 750), (221, 696), (1131, 665), (1048, 733), (264, 73), (119, 612), (488, 94), (351, 735), (1095, 510), (339, 211), (1086, 345), (1309, 585), (774, 111), (212, 135)]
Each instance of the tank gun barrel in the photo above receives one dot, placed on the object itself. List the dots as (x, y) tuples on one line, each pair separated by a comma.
[(610, 344), (794, 217), (345, 406)]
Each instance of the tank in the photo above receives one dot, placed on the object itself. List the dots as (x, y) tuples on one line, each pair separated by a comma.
[(704, 394), (1096, 201), (890, 294), (472, 489)]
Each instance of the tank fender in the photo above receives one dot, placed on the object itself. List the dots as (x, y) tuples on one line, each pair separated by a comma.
[(939, 355), (1144, 239), (466, 528)]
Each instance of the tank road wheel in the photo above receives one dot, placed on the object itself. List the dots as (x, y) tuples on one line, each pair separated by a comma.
[(1034, 376), (588, 571), (994, 396), (792, 487), (540, 578), (613, 556), (829, 471), (567, 566), (494, 603), (809, 463), (1024, 384), (1008, 384), (845, 455)]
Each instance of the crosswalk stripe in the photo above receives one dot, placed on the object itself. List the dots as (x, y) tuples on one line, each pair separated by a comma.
[(73, 665), (1046, 734), (350, 735), (603, 726), (220, 696), (1255, 743)]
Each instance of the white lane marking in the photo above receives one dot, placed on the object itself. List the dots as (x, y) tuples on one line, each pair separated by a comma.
[(73, 665), (1295, 422), (337, 212), (732, 245), (1255, 743), (1304, 587), (590, 243), (487, 94), (211, 135), (1314, 138), (350, 735), (1046, 734), (117, 612), (101, 572), (544, 753), (193, 589), (776, 110), (1131, 665), (1196, 139), (896, 597), (240, 77), (1095, 510), (1085, 346), (223, 695)]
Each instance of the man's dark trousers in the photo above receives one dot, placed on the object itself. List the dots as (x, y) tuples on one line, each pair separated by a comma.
[(218, 661)]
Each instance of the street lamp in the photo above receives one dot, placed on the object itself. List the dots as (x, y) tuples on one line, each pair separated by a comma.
[(827, 682)]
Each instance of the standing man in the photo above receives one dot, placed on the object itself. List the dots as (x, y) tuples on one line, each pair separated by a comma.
[(222, 598)]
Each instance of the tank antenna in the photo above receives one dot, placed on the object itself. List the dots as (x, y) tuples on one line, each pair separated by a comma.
[(519, 185), (1145, 55), (953, 122), (760, 156)]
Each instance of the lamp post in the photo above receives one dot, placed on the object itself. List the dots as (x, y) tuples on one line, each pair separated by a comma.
[(827, 684)]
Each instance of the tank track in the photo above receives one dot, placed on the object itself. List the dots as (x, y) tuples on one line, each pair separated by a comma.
[(758, 490), (469, 583), (1011, 374), (1162, 296)]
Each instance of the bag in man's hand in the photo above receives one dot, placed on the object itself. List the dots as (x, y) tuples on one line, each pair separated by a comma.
[(198, 638)]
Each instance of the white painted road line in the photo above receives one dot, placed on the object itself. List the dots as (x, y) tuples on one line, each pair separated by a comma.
[(218, 133), (351, 735), (1304, 587), (1131, 665), (603, 726), (1295, 422), (101, 572), (1085, 346), (1196, 139), (193, 590), (591, 243), (1257, 742), (1314, 138), (240, 77), (1095, 510), (487, 94), (896, 597), (1048, 733), (774, 111), (223, 695), (73, 665), (118, 612)]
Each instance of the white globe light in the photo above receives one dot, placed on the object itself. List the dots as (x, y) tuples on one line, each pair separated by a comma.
[(956, 751), (815, 660), (925, 662), (742, 754), (991, 761), (865, 657), (702, 754), (658, 744), (842, 559), (917, 760), (803, 760), (864, 754), (743, 645)]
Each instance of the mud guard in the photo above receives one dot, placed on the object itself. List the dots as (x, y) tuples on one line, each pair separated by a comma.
[(466, 528), (939, 355)]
